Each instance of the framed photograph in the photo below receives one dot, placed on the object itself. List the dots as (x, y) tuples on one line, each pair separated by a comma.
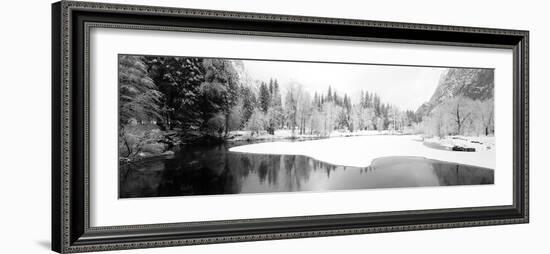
[(182, 126)]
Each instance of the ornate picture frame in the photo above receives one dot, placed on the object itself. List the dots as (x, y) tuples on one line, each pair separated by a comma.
[(71, 228)]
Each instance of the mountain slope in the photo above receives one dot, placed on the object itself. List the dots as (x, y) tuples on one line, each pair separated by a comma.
[(476, 84)]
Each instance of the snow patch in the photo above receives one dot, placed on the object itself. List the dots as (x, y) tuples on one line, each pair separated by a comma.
[(360, 151)]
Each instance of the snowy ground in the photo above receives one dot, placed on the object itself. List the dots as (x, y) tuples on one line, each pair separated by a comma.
[(359, 151), (279, 135), (447, 143)]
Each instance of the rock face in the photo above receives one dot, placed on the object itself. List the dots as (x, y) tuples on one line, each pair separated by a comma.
[(476, 84)]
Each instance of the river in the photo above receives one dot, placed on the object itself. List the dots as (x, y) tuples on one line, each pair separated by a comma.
[(213, 169)]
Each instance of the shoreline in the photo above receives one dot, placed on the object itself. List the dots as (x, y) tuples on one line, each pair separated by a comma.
[(360, 151), (351, 148)]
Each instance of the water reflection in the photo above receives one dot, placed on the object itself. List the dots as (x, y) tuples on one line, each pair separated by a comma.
[(215, 170)]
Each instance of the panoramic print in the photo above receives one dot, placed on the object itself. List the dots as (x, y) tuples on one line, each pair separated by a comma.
[(209, 126)]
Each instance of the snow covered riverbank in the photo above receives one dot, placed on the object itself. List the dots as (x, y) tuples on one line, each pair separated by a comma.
[(359, 151)]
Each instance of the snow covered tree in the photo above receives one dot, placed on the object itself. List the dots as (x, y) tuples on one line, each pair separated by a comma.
[(248, 104), (178, 79), (256, 123), (276, 112), (460, 110), (265, 97), (219, 90), (330, 112), (379, 123), (316, 121), (235, 117), (487, 116), (139, 96), (291, 105), (303, 110), (396, 119), (356, 120), (370, 118)]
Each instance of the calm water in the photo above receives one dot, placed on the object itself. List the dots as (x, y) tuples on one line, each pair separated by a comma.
[(208, 170)]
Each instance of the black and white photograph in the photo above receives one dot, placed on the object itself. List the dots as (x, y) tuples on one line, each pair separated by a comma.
[(271, 127), (207, 126)]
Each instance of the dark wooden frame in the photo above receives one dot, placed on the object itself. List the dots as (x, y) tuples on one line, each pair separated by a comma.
[(71, 22)]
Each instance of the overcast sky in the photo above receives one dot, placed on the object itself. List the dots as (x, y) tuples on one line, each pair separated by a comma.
[(403, 86)]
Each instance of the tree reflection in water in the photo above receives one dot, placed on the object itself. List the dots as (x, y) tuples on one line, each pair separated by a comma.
[(215, 170)]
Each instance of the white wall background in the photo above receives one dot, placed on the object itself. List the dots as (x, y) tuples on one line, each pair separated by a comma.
[(25, 125)]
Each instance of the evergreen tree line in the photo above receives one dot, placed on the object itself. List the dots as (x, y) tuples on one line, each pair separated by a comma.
[(178, 93), (196, 96)]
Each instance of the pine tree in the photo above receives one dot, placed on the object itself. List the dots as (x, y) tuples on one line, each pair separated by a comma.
[(329, 94), (376, 104), (271, 86), (249, 103), (218, 94), (139, 98), (275, 111), (264, 97), (178, 79)]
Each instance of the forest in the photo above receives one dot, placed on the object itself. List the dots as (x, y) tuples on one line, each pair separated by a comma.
[(166, 102)]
